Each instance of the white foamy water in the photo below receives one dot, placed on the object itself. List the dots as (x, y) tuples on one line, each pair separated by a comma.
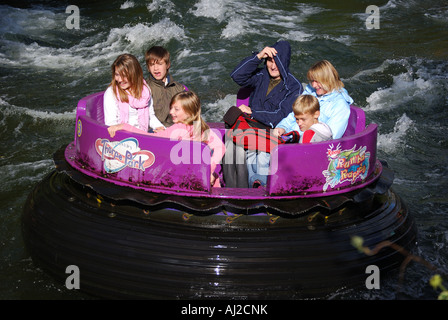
[(421, 82), (236, 27), (403, 90), (390, 142), (24, 116), (438, 15), (90, 53), (215, 111), (216, 9), (246, 18), (137, 37), (166, 6), (127, 5), (39, 23), (24, 173), (9, 110), (95, 49)]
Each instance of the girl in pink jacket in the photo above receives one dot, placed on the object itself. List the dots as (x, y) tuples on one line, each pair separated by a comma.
[(185, 109)]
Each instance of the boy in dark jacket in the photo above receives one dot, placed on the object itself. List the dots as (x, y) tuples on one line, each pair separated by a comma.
[(274, 90)]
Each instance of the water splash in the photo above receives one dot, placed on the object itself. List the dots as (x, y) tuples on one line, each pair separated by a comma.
[(390, 142), (127, 4)]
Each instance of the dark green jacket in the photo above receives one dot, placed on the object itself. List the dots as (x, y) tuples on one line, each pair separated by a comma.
[(162, 95)]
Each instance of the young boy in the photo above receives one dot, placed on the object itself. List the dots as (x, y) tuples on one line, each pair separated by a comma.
[(303, 119), (162, 85)]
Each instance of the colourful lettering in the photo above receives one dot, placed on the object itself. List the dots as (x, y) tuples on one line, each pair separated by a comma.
[(118, 155), (346, 165)]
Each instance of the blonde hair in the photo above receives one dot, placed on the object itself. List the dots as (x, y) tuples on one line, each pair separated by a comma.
[(155, 54), (191, 105), (306, 104), (325, 73), (127, 67)]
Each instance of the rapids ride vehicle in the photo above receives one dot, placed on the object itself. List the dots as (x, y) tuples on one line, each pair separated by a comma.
[(137, 215)]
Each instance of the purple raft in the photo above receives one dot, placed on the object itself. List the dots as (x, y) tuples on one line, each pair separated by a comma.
[(165, 166), (140, 211)]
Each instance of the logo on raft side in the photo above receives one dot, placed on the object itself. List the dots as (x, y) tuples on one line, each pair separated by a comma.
[(345, 165), (118, 155)]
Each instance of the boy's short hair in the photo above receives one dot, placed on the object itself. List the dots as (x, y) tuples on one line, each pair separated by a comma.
[(156, 53), (305, 104)]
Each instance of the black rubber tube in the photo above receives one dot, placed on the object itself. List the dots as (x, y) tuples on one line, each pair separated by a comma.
[(125, 249)]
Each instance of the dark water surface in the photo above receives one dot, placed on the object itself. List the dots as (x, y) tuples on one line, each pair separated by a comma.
[(398, 74)]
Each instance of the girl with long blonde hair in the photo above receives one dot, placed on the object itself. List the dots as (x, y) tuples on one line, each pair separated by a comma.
[(186, 108)]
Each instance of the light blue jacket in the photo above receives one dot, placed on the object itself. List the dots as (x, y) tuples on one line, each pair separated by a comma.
[(334, 111)]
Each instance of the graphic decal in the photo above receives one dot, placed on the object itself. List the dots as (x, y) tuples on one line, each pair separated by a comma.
[(79, 131), (118, 155), (345, 165)]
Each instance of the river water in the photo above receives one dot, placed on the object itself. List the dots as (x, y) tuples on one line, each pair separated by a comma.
[(394, 65)]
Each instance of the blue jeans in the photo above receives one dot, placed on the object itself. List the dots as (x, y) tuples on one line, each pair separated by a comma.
[(258, 166)]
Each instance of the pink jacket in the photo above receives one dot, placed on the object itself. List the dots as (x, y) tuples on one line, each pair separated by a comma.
[(180, 131), (141, 104)]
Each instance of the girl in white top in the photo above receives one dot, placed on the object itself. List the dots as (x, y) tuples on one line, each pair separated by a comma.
[(128, 97)]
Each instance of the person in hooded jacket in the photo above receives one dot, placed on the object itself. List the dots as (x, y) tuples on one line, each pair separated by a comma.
[(274, 90)]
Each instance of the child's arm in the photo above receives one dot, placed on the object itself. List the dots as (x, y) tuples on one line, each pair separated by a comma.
[(338, 116), (110, 108), (307, 136), (243, 73), (218, 150), (154, 122), (124, 126), (289, 124), (176, 131), (215, 143)]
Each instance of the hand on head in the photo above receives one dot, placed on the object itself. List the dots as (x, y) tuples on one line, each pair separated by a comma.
[(267, 52)]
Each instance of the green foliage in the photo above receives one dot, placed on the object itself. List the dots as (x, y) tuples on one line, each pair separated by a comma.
[(436, 281)]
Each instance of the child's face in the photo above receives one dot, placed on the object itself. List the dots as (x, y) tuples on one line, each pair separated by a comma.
[(159, 69), (122, 81), (177, 113), (306, 120)]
